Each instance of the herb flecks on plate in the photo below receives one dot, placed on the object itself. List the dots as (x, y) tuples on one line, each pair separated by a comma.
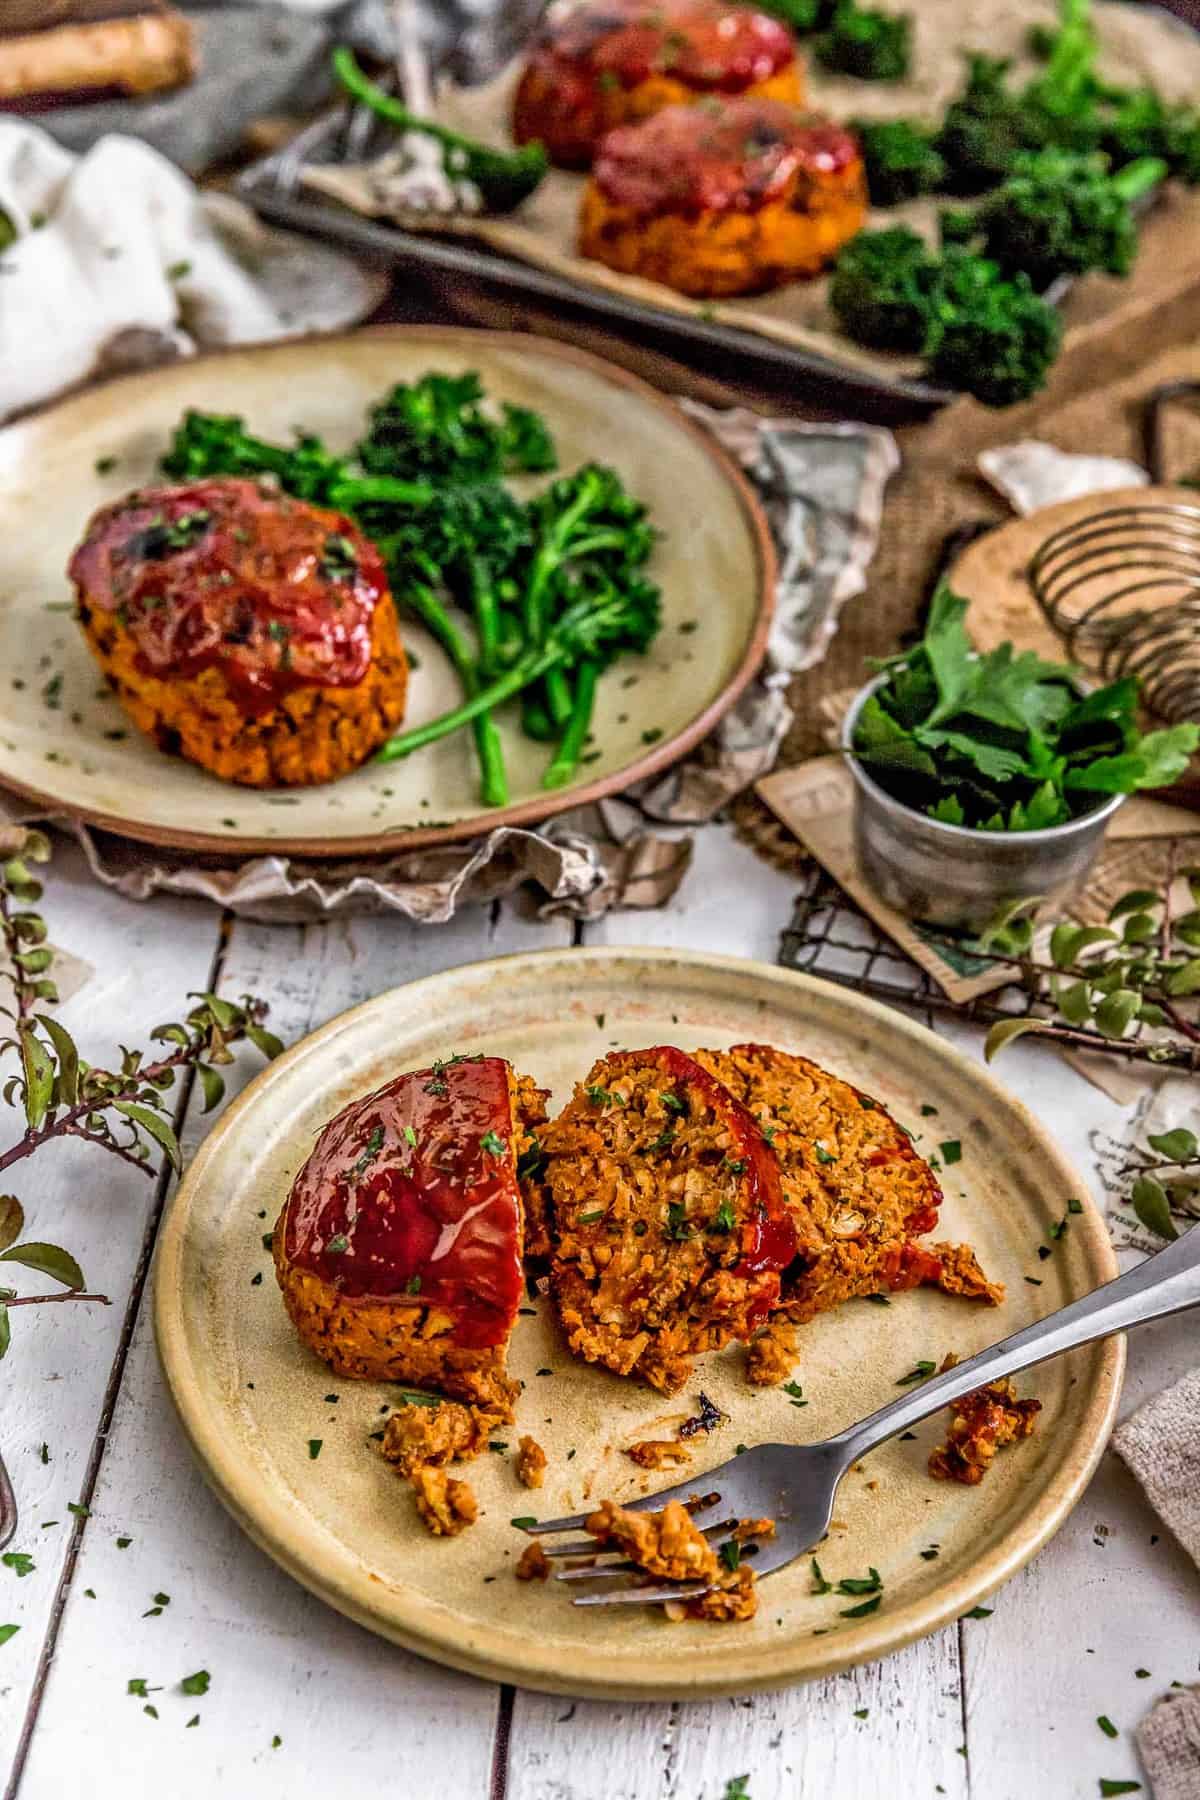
[(1003, 741)]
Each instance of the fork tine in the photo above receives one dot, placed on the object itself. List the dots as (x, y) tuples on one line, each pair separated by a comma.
[(772, 1554), (685, 1491)]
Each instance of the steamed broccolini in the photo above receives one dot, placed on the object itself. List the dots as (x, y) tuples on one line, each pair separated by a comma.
[(867, 43), (900, 159)]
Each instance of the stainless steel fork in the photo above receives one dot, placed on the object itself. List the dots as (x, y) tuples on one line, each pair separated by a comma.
[(795, 1484)]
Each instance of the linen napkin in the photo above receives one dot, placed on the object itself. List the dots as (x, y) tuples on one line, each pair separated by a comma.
[(1168, 1740), (1161, 1444), (116, 260)]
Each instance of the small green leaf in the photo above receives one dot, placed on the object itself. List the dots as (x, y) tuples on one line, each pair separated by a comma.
[(1135, 901), (1140, 928), (1184, 980), (7, 1631), (266, 1041), (1149, 1200), (155, 1126), (1117, 1011), (1110, 1788), (195, 1684), (1178, 1146), (1075, 1003), (67, 1083), (820, 1585), (1004, 1032), (47, 1259), (38, 1071), (860, 1612), (12, 1220), (1107, 1727), (212, 1084)]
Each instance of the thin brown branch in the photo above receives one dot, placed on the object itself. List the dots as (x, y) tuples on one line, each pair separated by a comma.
[(145, 1164), (55, 1299)]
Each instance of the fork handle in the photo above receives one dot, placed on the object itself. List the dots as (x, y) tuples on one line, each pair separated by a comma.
[(1167, 1282)]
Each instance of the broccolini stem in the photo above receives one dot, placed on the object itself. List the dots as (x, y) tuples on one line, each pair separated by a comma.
[(424, 602), (558, 697), (535, 720), (360, 87), (1137, 178), (534, 664), (358, 490), (570, 749)]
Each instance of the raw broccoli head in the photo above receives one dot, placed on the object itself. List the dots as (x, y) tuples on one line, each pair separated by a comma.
[(900, 158), (874, 46), (1061, 214), (989, 335), (882, 288)]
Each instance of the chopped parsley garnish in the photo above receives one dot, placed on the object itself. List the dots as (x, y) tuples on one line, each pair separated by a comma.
[(1119, 1787), (796, 1391), (599, 1096), (1107, 1727), (338, 1246), (136, 1685), (44, 1453), (194, 1720), (768, 1135), (159, 539), (413, 1285), (79, 1509), (268, 1239), (314, 1448), (195, 1684), (410, 1137), (871, 1583), (640, 1228), (1074, 1206), (878, 1299), (493, 1143), (524, 1522), (338, 560), (723, 1219), (951, 1152), (673, 1103), (820, 1585), (411, 1399), (652, 736), (980, 1612), (734, 1165), (19, 1562), (861, 1611), (862, 1712), (927, 1111), (590, 1218), (104, 465), (373, 1146), (731, 1554), (256, 1280), (822, 1154), (437, 1087), (922, 1370), (498, 1447), (123, 1543), (930, 1555), (677, 1220), (663, 1141)]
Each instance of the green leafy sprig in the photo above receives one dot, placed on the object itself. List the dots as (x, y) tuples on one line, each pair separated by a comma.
[(122, 1110)]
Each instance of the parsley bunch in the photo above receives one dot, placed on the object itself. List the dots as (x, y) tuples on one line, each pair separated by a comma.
[(1004, 741)]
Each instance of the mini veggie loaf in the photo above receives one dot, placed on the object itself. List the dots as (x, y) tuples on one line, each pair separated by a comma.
[(667, 1216), (399, 1248), (723, 198)]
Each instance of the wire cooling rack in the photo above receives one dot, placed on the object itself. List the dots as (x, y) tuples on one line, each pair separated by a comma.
[(830, 937)]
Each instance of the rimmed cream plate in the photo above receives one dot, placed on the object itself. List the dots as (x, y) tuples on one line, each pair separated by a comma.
[(65, 743), (251, 1397)]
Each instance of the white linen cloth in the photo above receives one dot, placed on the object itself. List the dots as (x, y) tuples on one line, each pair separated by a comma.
[(112, 242)]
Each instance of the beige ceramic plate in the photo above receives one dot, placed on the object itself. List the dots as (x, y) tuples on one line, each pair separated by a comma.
[(65, 743), (251, 1397)]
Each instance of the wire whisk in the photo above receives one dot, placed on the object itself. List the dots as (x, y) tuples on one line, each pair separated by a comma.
[(1122, 587)]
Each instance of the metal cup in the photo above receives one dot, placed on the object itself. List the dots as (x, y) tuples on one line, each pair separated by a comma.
[(950, 875)]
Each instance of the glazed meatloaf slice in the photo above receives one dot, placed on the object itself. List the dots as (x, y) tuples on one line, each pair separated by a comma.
[(399, 1248), (732, 198), (850, 1171), (667, 1216), (250, 632)]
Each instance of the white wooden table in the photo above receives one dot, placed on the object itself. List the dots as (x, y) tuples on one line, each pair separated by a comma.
[(303, 1701)]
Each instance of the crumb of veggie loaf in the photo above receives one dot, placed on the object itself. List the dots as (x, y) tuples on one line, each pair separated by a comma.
[(668, 1220), (980, 1424), (248, 631), (419, 1436), (533, 1564), (854, 1176), (667, 1543), (658, 1453), (736, 201), (606, 63), (445, 1506), (531, 1462), (398, 1249)]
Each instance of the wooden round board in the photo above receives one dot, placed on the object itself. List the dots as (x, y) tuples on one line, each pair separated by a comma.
[(251, 1397), (66, 744)]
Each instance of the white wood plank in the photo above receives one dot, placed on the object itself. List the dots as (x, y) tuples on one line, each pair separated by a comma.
[(354, 1713), (144, 960)]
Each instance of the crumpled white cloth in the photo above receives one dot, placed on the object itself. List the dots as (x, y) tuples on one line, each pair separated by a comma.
[(113, 243)]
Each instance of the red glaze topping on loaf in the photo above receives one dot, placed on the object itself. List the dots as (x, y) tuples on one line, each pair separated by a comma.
[(706, 44), (718, 158), (411, 1193), (276, 593)]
